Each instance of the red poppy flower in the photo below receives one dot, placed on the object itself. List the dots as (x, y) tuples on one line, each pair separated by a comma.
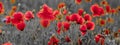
[(18, 15), (102, 22), (15, 21), (56, 12), (74, 17), (80, 20), (78, 1), (96, 10), (97, 38), (67, 39), (83, 29), (108, 8), (29, 15), (104, 2), (20, 26), (113, 11), (87, 17), (1, 8), (67, 18), (61, 5), (107, 31), (59, 25), (65, 11), (53, 41), (59, 31), (8, 19), (14, 8), (80, 11), (66, 25), (90, 25), (17, 18), (46, 13), (44, 23), (7, 43)]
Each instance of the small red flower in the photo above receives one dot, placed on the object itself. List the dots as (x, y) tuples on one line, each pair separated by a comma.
[(59, 25), (78, 1), (53, 41), (7, 43), (83, 29), (65, 11), (8, 19), (108, 8), (74, 17), (102, 22), (68, 18), (59, 31), (97, 38), (113, 11), (67, 39), (87, 17), (80, 20), (90, 25), (107, 31), (14, 8), (18, 15), (61, 5), (20, 26), (29, 15), (17, 18), (44, 23), (104, 2), (80, 11), (46, 13), (66, 25), (1, 8), (96, 10)]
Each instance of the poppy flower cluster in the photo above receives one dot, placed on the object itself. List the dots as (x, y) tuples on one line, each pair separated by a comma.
[(17, 20), (97, 10), (46, 14)]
